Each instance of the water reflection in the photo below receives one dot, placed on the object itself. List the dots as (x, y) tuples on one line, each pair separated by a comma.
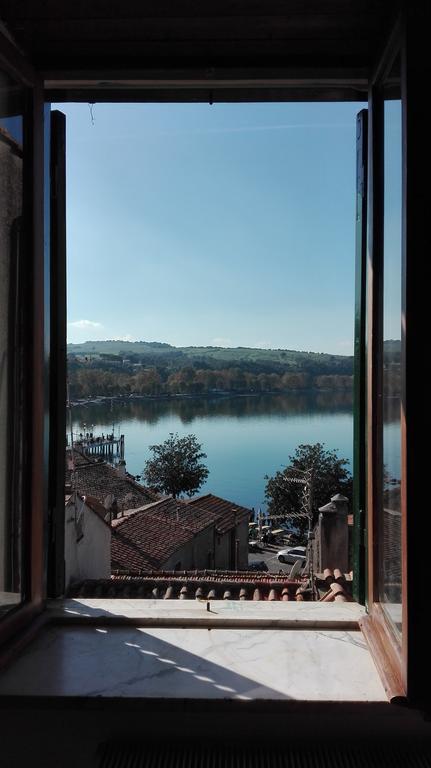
[(187, 410), (245, 438)]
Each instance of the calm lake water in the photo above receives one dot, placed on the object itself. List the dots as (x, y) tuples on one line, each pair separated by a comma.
[(244, 437)]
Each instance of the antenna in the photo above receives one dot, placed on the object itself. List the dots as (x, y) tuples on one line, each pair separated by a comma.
[(306, 510), (72, 457)]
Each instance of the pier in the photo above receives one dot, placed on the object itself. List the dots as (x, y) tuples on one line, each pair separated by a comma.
[(105, 446)]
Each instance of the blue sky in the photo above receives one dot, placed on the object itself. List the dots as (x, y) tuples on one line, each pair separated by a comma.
[(229, 225)]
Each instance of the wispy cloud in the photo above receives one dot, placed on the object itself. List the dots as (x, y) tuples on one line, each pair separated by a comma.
[(84, 325)]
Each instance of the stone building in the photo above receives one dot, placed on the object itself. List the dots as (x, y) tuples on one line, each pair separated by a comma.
[(163, 536), (231, 529), (87, 540), (205, 533)]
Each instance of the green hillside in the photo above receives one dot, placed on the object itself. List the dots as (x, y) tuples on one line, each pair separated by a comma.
[(215, 356), (112, 368)]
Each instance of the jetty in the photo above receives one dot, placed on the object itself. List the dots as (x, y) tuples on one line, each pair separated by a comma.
[(105, 446)]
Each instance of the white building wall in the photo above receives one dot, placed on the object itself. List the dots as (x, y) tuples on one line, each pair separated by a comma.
[(87, 546)]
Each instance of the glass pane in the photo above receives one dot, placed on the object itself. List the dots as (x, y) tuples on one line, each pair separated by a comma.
[(390, 524), (11, 203)]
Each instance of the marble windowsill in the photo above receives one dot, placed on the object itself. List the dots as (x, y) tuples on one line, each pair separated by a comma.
[(275, 614), (303, 661)]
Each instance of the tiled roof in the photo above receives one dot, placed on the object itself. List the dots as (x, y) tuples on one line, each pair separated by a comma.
[(137, 542), (335, 586), (192, 519), (226, 512), (99, 480), (206, 585), (146, 537)]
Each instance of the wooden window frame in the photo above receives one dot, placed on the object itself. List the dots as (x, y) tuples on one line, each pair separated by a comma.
[(401, 666), (23, 619), (402, 662), (385, 646)]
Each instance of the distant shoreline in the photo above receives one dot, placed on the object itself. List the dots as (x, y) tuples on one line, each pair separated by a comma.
[(101, 399)]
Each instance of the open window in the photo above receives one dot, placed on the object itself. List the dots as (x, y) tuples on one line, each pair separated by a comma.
[(33, 356)]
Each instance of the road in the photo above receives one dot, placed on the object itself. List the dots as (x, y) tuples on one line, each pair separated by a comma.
[(269, 556)]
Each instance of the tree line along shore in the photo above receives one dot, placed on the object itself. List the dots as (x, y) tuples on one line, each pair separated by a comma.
[(153, 369), (152, 382)]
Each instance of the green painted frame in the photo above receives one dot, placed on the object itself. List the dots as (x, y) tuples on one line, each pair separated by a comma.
[(359, 371)]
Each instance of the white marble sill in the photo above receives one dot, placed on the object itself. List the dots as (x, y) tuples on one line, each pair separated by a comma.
[(201, 613), (81, 653)]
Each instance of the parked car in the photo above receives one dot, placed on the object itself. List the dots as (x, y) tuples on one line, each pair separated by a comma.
[(292, 554), (254, 546), (259, 565)]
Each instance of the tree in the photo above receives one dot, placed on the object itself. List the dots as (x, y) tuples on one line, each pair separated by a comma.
[(329, 476), (176, 467)]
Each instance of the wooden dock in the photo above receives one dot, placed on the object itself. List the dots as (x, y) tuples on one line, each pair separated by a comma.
[(103, 446)]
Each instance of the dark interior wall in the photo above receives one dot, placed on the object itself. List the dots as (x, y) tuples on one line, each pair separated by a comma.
[(71, 736)]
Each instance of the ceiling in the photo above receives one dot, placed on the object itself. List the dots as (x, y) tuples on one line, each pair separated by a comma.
[(202, 50)]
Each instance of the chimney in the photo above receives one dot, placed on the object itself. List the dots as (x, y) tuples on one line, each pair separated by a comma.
[(333, 534)]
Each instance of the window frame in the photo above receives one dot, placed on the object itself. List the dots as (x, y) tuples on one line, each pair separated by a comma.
[(403, 663), (377, 627), (35, 351)]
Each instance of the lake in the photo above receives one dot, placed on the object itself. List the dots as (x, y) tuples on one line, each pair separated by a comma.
[(244, 437)]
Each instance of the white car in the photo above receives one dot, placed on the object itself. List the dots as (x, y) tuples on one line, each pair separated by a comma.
[(292, 554)]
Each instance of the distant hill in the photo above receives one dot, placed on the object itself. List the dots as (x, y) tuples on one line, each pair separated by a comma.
[(116, 347), (151, 368), (111, 368), (166, 354)]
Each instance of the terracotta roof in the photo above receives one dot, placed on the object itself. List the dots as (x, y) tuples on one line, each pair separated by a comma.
[(335, 586), (99, 480), (227, 513), (192, 519), (137, 542), (146, 537), (206, 585)]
